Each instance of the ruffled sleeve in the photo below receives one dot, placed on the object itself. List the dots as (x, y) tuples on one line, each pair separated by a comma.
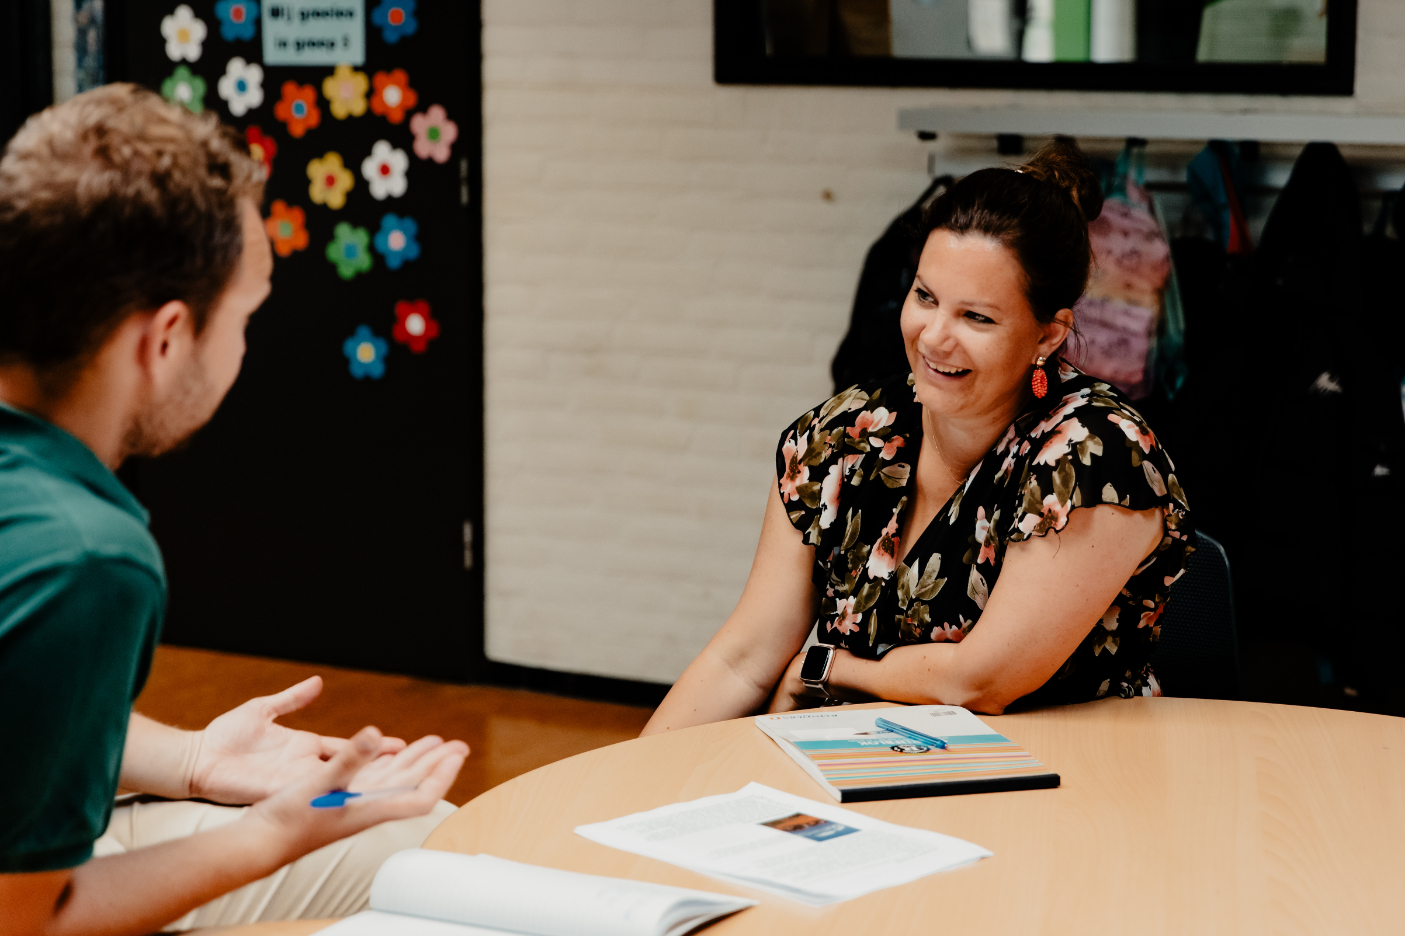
[(831, 451), (1093, 448)]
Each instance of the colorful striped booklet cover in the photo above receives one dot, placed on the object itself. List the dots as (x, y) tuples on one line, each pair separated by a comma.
[(856, 760)]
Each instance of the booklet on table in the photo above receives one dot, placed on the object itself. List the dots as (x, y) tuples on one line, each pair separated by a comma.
[(856, 759), (434, 893), (815, 853)]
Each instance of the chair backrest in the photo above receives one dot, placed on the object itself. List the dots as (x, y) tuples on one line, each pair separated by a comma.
[(1198, 653)]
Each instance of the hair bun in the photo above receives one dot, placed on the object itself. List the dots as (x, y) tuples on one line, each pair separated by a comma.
[(1061, 162)]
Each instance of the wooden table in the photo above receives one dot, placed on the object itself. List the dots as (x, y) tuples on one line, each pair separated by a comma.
[(1175, 816)]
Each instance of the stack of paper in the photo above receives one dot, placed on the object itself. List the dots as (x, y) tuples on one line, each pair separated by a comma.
[(759, 837)]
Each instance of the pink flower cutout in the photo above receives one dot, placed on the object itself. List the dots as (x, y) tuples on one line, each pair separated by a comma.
[(884, 557), (847, 622), (795, 473), (891, 447), (434, 134), (1148, 618)]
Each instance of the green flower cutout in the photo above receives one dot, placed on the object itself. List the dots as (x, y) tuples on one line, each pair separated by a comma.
[(350, 250), (185, 88)]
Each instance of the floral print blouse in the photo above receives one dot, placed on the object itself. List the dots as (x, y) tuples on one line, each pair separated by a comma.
[(845, 472)]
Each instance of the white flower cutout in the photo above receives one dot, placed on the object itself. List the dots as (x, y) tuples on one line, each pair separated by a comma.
[(184, 34), (384, 171), (242, 86)]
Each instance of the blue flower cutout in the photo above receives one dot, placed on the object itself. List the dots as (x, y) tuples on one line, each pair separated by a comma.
[(365, 352), (396, 240), (396, 18), (237, 18)]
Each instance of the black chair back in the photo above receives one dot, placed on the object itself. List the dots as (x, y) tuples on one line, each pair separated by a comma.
[(1198, 653)]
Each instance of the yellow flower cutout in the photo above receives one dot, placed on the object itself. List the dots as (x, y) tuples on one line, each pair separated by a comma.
[(345, 91), (330, 181)]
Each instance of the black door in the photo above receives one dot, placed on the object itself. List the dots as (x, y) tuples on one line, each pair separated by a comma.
[(327, 511)]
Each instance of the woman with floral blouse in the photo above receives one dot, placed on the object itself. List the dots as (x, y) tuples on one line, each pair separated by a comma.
[(958, 537)]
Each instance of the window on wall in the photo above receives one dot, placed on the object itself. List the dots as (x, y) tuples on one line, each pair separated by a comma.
[(1217, 46)]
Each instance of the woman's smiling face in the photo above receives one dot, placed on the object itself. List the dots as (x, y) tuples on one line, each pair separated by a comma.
[(970, 333)]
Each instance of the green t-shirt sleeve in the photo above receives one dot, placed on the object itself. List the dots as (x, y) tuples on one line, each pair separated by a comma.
[(75, 643)]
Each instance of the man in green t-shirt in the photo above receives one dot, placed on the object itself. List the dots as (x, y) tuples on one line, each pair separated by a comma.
[(132, 253)]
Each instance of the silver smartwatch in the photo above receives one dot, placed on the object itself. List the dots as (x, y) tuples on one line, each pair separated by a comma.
[(814, 672)]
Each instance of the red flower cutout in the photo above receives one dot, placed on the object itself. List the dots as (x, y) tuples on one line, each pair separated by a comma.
[(298, 109), (415, 327), (262, 148), (392, 96)]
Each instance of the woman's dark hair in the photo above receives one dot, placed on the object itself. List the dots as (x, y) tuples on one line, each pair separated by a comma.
[(1040, 212)]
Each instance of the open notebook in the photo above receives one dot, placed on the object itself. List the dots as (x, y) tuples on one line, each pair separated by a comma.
[(434, 893)]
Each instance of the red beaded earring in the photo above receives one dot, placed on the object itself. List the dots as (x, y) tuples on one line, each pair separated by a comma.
[(1039, 383)]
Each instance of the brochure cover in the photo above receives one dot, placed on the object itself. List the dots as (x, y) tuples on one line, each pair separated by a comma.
[(856, 759)]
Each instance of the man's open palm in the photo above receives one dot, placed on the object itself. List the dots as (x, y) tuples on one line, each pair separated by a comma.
[(245, 756)]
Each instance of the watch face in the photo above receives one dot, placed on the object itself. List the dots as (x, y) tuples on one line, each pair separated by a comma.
[(816, 663)]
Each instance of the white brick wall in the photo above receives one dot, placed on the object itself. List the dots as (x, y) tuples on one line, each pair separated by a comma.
[(666, 284)]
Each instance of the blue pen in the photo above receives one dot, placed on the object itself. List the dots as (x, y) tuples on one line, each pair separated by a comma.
[(910, 733), (339, 798)]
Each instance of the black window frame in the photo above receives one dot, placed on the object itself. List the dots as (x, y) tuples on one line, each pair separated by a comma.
[(739, 57)]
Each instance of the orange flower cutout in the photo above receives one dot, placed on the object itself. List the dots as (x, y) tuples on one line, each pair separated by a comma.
[(330, 181), (286, 228), (345, 91), (393, 95), (298, 109)]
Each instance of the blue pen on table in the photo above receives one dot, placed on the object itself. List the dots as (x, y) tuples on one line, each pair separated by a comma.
[(910, 733), (339, 798)]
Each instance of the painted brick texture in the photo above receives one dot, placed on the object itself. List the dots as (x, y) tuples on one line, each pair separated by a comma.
[(665, 285)]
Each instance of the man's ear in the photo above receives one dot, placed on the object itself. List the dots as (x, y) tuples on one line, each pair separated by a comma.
[(1056, 332), (169, 340)]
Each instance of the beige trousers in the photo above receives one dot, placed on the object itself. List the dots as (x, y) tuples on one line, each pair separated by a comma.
[(334, 881)]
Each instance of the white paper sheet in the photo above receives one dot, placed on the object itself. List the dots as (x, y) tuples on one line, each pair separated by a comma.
[(812, 852)]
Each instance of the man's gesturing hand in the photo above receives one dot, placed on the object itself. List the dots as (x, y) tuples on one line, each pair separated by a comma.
[(244, 756), (429, 766)]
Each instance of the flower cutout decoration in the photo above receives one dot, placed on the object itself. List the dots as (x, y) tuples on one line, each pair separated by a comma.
[(384, 171), (298, 109), (262, 148), (395, 18), (242, 86), (391, 95), (434, 134), (287, 228), (345, 90), (395, 241), (184, 33), (237, 18), (415, 327), (365, 352), (185, 89), (330, 181), (350, 250)]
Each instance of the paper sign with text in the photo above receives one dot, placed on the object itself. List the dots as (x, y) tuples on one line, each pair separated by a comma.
[(314, 32)]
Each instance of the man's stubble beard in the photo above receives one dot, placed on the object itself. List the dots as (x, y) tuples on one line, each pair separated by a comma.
[(168, 424)]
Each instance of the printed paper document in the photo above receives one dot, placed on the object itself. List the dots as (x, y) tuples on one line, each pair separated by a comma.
[(812, 852)]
